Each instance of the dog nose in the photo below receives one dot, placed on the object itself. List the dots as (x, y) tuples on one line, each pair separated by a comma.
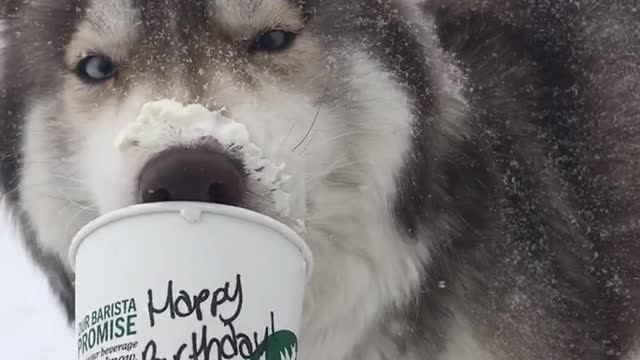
[(192, 174)]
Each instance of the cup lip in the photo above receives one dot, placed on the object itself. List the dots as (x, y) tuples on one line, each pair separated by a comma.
[(177, 207)]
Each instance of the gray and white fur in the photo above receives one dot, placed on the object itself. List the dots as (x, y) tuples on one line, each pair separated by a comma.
[(470, 168)]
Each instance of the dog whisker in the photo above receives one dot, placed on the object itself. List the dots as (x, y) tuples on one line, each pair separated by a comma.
[(338, 169), (293, 125), (74, 203), (69, 178), (329, 141), (313, 124), (73, 218)]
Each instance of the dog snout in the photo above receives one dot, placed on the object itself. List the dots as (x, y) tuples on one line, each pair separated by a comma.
[(192, 174)]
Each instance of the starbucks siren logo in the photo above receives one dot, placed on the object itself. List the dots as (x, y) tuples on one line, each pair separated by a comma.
[(281, 345)]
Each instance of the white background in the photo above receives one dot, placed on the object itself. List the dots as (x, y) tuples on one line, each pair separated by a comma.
[(32, 326)]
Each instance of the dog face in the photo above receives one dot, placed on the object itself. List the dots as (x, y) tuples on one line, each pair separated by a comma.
[(266, 68), (310, 99), (338, 91), (311, 96)]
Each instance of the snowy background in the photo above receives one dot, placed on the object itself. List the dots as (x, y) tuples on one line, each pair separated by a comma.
[(33, 327)]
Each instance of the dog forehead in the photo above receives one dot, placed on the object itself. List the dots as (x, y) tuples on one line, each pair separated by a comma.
[(240, 17), (115, 19), (254, 6), (120, 19)]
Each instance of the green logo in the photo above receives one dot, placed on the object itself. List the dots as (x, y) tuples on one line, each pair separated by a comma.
[(281, 345)]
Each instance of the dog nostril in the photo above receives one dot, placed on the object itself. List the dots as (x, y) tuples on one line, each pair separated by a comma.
[(156, 195), (218, 193), (192, 174)]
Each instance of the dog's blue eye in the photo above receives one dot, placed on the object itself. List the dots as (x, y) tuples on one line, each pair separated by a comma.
[(95, 68), (273, 41)]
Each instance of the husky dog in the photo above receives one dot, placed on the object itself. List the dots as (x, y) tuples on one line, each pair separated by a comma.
[(470, 169)]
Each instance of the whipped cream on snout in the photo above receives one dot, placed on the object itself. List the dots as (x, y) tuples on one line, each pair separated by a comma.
[(165, 123)]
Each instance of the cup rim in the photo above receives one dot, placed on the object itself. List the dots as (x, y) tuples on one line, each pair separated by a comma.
[(179, 206)]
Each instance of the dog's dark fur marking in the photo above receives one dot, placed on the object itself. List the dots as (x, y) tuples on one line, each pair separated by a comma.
[(17, 87), (554, 205)]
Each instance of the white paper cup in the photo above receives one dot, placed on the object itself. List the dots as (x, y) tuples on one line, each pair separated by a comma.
[(188, 281)]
